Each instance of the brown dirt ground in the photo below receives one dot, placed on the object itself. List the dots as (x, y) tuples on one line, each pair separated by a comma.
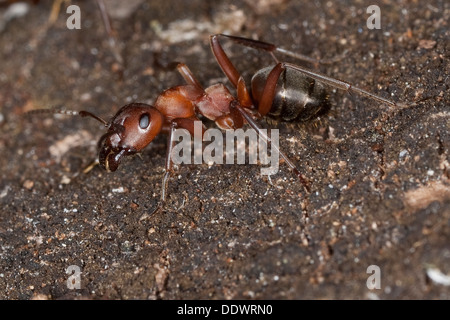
[(380, 178)]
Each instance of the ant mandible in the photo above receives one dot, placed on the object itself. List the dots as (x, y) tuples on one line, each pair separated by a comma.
[(286, 91)]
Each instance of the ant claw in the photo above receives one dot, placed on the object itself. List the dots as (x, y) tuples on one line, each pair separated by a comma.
[(159, 208)]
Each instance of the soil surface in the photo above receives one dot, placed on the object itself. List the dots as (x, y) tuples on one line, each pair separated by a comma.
[(379, 176)]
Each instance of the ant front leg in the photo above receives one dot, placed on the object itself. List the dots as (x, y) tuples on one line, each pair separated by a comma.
[(169, 163), (188, 124)]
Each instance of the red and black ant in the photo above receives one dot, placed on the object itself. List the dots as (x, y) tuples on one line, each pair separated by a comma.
[(286, 92)]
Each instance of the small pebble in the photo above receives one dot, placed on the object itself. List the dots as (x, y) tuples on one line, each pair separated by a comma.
[(28, 184)]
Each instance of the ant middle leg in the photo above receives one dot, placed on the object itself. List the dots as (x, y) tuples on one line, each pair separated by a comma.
[(267, 139)]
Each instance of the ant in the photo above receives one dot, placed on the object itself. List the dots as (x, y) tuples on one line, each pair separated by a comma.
[(286, 92)]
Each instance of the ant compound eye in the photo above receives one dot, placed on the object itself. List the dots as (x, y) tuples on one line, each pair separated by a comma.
[(144, 121)]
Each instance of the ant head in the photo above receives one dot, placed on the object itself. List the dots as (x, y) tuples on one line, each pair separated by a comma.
[(130, 130)]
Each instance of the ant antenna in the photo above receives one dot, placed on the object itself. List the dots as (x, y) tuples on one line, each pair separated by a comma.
[(90, 114), (67, 112)]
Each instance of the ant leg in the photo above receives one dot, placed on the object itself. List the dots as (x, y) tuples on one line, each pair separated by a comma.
[(271, 48), (243, 95), (242, 92), (268, 140), (272, 79), (271, 82), (188, 76), (168, 168), (340, 84), (56, 8), (91, 166), (231, 72), (269, 89), (110, 31), (224, 62)]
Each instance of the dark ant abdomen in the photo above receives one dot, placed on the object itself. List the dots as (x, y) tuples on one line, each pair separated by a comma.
[(298, 98)]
